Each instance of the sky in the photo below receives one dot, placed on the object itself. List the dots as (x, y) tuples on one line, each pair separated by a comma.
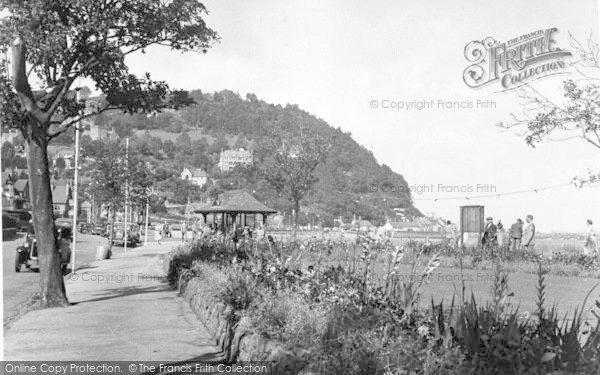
[(336, 58)]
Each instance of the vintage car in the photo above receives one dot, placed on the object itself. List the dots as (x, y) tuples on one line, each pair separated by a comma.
[(100, 229), (27, 253), (85, 228), (133, 235), (21, 218)]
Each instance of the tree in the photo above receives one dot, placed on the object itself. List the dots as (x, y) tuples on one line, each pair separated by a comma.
[(291, 165), (118, 176), (60, 41), (575, 117)]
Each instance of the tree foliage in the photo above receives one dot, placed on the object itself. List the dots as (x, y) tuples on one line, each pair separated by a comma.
[(577, 116), (290, 166), (54, 44)]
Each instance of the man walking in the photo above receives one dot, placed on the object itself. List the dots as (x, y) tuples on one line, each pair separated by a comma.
[(184, 231), (529, 234), (195, 229), (516, 234)]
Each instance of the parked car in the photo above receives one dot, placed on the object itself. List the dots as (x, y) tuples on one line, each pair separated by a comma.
[(133, 235), (99, 229), (85, 227), (27, 253), (20, 217)]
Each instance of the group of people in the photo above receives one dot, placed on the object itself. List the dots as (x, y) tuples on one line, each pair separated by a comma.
[(200, 230), (162, 230), (520, 235)]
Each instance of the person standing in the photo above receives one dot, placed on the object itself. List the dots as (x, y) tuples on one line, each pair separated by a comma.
[(184, 231), (516, 234), (490, 233), (501, 235), (591, 242), (529, 234), (195, 228), (450, 234), (158, 232)]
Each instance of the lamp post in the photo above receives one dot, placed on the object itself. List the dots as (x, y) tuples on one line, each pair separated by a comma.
[(126, 193), (149, 192), (76, 193)]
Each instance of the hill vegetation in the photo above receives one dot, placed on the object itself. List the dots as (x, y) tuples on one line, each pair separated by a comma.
[(349, 178)]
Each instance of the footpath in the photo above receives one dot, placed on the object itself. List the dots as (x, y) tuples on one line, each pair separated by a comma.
[(122, 309)]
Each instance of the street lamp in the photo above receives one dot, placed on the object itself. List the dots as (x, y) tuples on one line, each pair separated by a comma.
[(149, 192), (75, 194)]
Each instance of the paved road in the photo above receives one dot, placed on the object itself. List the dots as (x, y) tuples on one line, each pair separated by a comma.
[(19, 287), (122, 309)]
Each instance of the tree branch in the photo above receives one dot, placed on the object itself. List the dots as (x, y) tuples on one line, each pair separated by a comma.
[(20, 82), (66, 126)]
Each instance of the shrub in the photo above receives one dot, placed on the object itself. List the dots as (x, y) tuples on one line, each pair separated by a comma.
[(239, 291), (352, 326)]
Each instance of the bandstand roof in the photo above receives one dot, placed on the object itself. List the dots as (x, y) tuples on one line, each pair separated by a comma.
[(235, 201)]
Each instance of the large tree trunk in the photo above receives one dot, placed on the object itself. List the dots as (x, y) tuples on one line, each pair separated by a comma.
[(52, 286)]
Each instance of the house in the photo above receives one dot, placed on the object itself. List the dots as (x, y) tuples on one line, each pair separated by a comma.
[(21, 187), (66, 155), (97, 133), (230, 158), (9, 136), (8, 190), (61, 196), (20, 199), (364, 225), (410, 226), (195, 175)]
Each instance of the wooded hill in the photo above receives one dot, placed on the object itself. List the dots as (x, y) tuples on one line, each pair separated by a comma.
[(350, 179)]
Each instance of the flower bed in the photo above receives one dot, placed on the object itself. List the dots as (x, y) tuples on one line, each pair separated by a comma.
[(337, 321)]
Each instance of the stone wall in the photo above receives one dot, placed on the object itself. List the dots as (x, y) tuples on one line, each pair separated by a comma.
[(235, 336)]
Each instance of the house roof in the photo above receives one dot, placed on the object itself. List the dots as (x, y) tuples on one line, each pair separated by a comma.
[(60, 182), (363, 223), (60, 194), (196, 172), (237, 153), (238, 201), (5, 177), (402, 224), (63, 154), (21, 184)]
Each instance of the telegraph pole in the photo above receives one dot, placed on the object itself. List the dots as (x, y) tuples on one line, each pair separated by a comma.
[(76, 194), (126, 192)]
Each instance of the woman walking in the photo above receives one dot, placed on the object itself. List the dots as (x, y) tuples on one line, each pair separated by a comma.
[(591, 243), (158, 232)]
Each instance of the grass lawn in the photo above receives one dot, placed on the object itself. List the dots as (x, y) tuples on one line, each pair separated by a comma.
[(567, 292)]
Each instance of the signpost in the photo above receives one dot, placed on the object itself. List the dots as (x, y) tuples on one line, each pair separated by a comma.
[(471, 221)]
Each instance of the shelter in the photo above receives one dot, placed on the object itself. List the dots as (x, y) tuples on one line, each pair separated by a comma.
[(232, 209)]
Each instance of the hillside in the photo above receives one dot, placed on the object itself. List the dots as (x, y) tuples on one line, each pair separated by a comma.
[(350, 178)]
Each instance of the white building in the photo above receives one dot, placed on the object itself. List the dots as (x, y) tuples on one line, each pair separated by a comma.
[(9, 135), (196, 175), (230, 158)]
